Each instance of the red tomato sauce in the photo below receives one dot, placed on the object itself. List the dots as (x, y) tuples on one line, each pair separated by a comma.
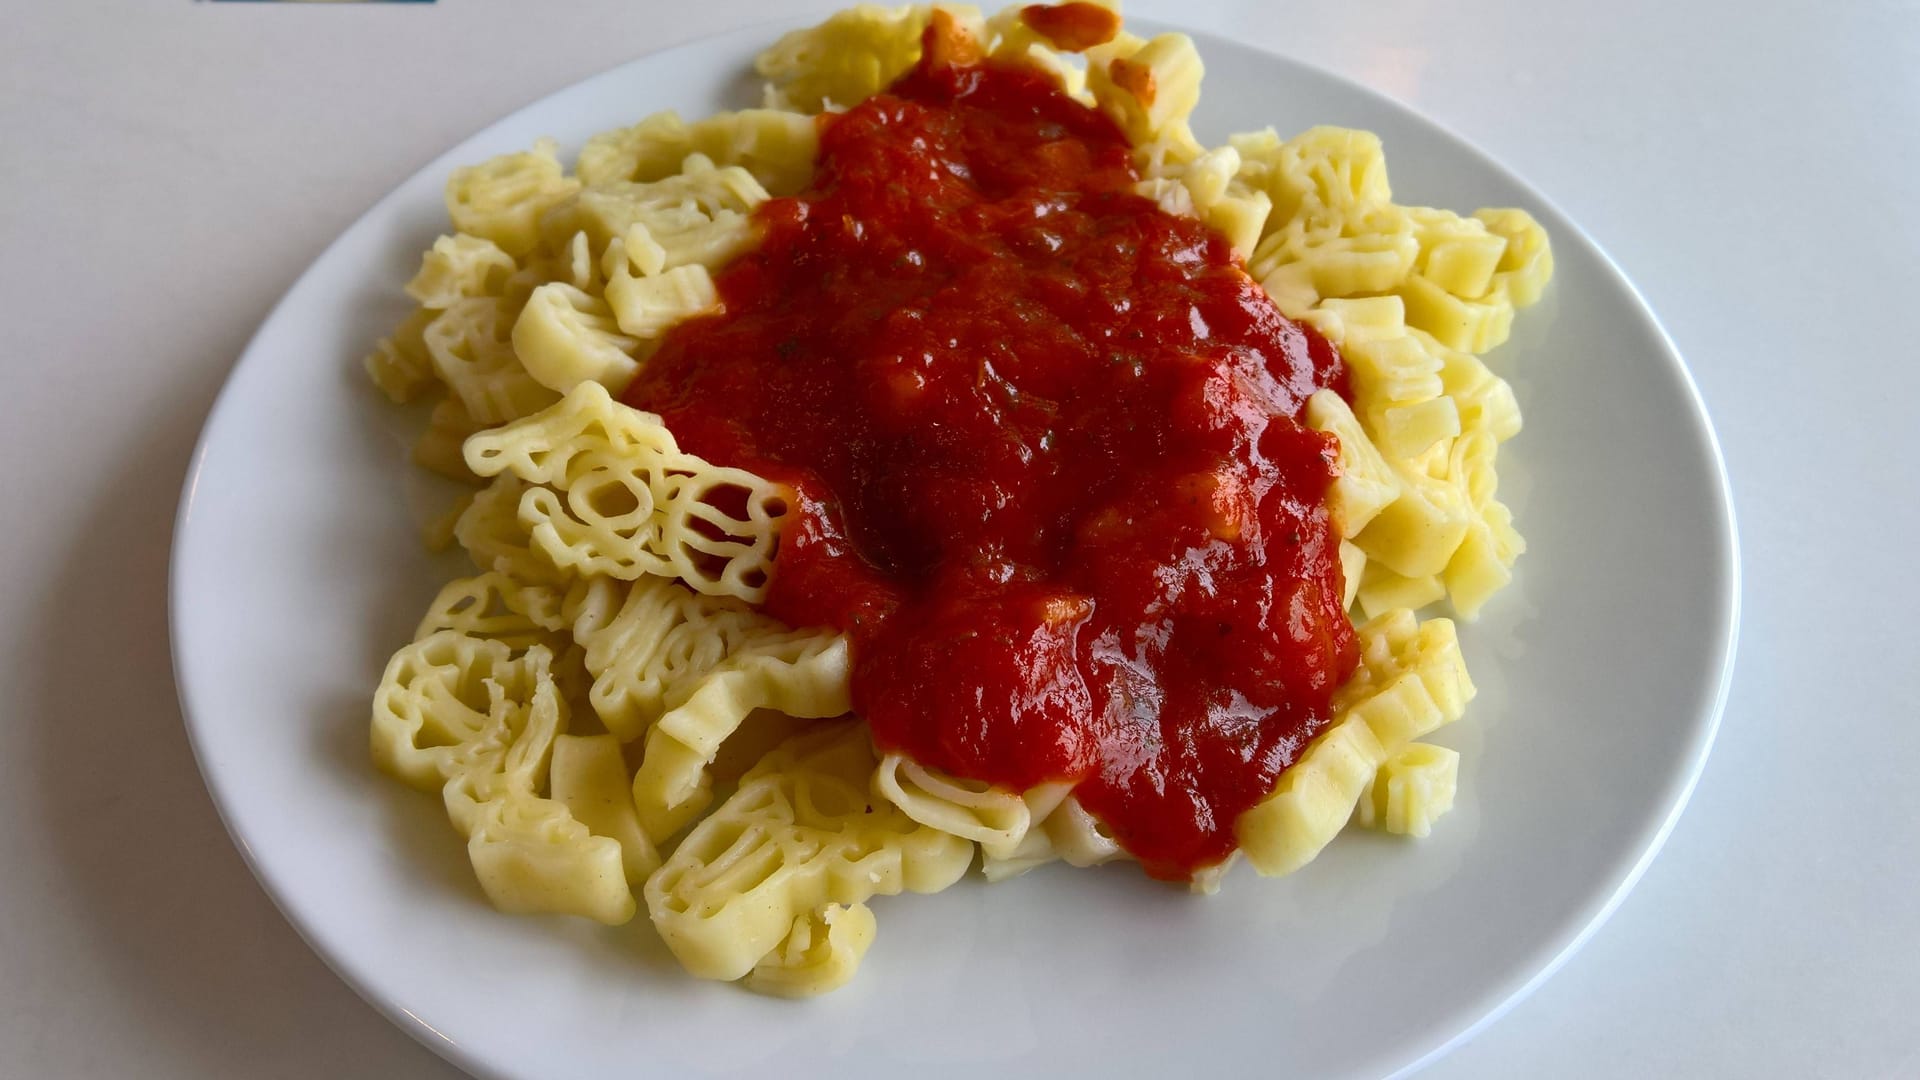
[(1046, 445)]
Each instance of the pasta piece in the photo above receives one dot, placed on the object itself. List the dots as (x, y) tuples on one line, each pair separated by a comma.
[(1412, 681), (433, 697), (647, 307), (1079, 837), (1366, 484), (566, 337), (1353, 563), (496, 607), (1149, 89), (1209, 188), (686, 670), (438, 448), (501, 199), (1037, 847), (459, 713), (495, 539), (1368, 251), (472, 354), (620, 499), (1312, 801), (656, 647), (459, 267), (1483, 563), (1169, 194), (399, 364), (700, 200), (1206, 880), (1418, 533), (804, 675), (649, 150), (821, 953), (1484, 401), (588, 776), (1323, 174), (853, 55), (1526, 264), (777, 146), (1472, 325), (1463, 265), (996, 820), (508, 755), (1381, 590), (533, 858), (801, 832), (1411, 790)]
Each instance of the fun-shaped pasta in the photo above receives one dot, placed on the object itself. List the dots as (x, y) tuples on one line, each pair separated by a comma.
[(776, 145), (654, 646), (853, 55), (472, 351), (466, 715), (802, 831), (1411, 681), (589, 778), (565, 337), (460, 267), (501, 199), (684, 671), (497, 607), (581, 701), (399, 364), (1411, 790), (698, 214), (821, 953), (495, 539), (997, 820), (1150, 89), (615, 496)]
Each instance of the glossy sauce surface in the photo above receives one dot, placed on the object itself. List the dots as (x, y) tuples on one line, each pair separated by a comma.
[(1046, 448)]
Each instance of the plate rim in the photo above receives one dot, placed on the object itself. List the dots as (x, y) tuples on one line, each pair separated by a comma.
[(1575, 928)]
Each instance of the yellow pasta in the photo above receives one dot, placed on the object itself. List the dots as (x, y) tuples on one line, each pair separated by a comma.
[(821, 953), (1150, 89), (775, 145), (460, 267), (605, 677), (472, 351), (996, 820), (801, 832), (565, 337), (646, 307), (399, 364), (654, 646), (439, 447), (497, 607), (614, 495), (851, 56), (589, 778), (1411, 790), (501, 200), (1412, 681)]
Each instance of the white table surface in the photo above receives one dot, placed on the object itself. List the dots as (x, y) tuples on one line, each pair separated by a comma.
[(168, 168)]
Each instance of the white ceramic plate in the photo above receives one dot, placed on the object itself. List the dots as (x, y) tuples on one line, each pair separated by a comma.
[(297, 569)]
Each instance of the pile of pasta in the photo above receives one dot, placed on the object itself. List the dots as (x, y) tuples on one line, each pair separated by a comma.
[(604, 679)]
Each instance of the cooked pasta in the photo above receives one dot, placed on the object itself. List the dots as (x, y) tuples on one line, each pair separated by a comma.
[(612, 708)]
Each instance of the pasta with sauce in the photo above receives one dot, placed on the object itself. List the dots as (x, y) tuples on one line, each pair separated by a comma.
[(621, 704)]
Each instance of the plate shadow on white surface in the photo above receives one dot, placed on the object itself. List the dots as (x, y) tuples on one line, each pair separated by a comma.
[(196, 958)]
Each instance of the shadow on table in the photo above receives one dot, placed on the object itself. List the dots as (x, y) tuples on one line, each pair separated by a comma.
[(206, 970)]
